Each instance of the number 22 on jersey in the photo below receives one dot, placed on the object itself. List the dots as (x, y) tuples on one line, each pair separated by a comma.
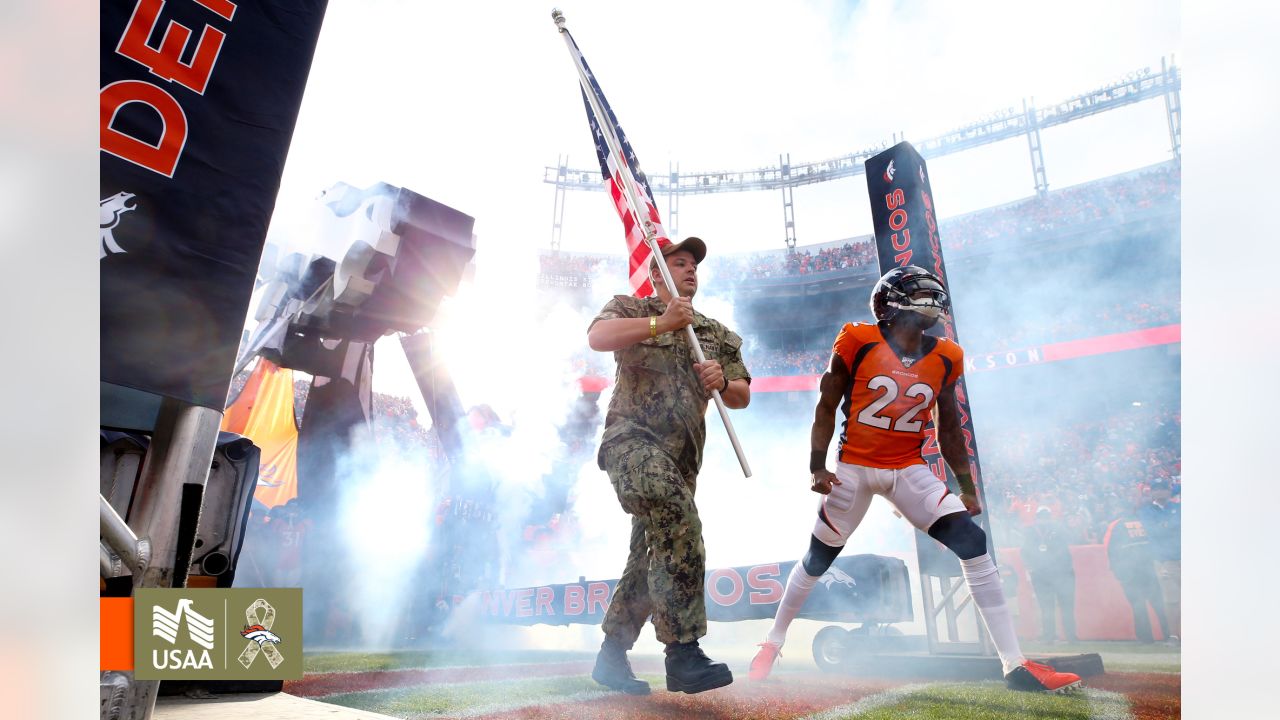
[(910, 421)]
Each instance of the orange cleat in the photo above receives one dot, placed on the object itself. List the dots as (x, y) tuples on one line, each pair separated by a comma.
[(1032, 676), (763, 662)]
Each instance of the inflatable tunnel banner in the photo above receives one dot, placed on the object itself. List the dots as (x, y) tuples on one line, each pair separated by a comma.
[(263, 412), (906, 231), (198, 102), (858, 588)]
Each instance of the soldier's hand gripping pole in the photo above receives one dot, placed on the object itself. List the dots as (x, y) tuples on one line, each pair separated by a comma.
[(630, 188)]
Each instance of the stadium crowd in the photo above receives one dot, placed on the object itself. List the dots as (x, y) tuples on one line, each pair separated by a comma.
[(766, 362), (395, 423), (1028, 468), (565, 270), (1112, 200), (794, 263), (1072, 208), (566, 263)]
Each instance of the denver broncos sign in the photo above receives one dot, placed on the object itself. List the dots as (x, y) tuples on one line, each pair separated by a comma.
[(197, 104), (857, 588), (906, 231)]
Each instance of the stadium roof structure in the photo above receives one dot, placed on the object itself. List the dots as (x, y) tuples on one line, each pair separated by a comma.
[(1137, 86)]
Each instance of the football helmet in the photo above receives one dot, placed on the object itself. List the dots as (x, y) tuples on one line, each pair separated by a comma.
[(893, 294)]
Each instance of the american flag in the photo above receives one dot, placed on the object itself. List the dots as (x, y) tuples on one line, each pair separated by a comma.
[(637, 249)]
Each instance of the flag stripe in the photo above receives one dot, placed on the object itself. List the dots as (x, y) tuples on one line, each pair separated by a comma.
[(611, 167)]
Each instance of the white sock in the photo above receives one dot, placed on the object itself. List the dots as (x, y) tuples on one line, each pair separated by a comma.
[(987, 589), (799, 583)]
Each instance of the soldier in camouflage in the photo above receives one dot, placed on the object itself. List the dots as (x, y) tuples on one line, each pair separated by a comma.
[(652, 450)]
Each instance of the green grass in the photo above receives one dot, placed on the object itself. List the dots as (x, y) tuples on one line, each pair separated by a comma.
[(324, 662), (1102, 647), (1126, 656), (1120, 656), (975, 701), (425, 701), (1127, 664)]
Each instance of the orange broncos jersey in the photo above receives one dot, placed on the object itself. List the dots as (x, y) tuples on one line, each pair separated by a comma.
[(889, 400)]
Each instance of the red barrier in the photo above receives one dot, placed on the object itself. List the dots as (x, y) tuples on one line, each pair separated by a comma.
[(1102, 613)]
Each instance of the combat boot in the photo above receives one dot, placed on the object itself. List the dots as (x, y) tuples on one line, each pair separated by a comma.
[(689, 670), (613, 670)]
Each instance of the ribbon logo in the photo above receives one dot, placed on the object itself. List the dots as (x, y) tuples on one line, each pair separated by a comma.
[(258, 632)]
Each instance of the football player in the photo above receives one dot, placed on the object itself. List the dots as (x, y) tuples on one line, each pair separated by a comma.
[(886, 377)]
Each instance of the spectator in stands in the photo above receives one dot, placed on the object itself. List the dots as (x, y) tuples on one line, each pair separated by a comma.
[(1162, 519), (1110, 200), (1047, 557), (1129, 554), (1076, 519), (563, 270)]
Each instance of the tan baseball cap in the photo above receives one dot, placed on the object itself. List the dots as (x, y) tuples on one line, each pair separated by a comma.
[(694, 245)]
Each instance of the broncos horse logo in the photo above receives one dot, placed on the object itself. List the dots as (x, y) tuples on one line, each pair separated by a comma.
[(835, 575), (260, 635), (109, 212)]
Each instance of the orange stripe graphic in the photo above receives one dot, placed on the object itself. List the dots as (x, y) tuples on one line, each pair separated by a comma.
[(115, 631)]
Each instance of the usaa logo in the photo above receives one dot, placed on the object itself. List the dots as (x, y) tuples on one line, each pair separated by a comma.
[(168, 627)]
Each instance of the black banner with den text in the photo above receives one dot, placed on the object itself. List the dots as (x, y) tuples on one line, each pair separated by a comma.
[(198, 102)]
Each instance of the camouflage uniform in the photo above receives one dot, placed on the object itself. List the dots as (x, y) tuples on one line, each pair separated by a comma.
[(652, 450)]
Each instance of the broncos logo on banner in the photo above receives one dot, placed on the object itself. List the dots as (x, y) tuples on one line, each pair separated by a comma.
[(835, 575), (109, 212), (267, 478)]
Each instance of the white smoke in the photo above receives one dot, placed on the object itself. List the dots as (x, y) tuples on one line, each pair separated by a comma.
[(506, 348), (384, 515)]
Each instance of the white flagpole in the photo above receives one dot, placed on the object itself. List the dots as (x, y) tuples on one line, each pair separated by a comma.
[(630, 187)]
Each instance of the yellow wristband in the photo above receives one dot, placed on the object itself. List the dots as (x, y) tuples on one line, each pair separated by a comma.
[(653, 326)]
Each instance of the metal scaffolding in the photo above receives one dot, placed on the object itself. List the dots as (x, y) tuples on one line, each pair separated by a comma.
[(1173, 105), (1135, 87), (557, 212), (788, 210), (673, 202), (1037, 156)]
